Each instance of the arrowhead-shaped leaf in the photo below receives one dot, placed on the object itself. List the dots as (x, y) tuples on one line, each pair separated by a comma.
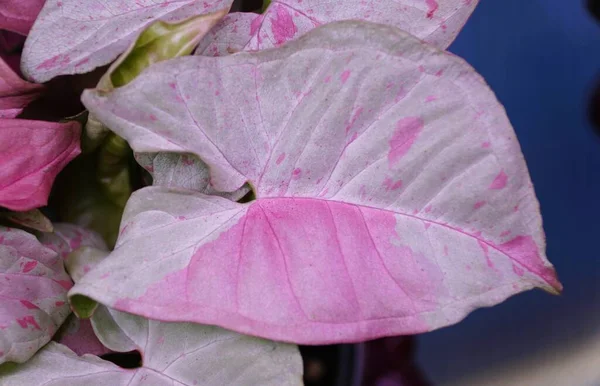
[(173, 353), (31, 155), (33, 289), (19, 15), (434, 21), (15, 93), (392, 196), (73, 37)]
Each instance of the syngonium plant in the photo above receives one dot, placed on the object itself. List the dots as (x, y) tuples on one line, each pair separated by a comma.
[(322, 172)]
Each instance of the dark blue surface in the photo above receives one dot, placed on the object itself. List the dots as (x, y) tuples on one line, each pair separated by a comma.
[(542, 58)]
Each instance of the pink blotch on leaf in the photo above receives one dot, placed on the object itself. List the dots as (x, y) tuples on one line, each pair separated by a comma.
[(505, 233), (29, 305), (59, 304), (407, 130), (66, 284), (478, 204), (428, 209), (518, 270), (280, 158), (28, 320), (500, 181), (30, 265), (296, 173), (430, 98), (355, 116), (433, 7), (345, 75), (390, 184), (486, 145), (282, 26)]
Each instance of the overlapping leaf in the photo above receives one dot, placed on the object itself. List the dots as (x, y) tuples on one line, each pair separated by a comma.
[(19, 15), (72, 37), (15, 93), (31, 155), (33, 290), (173, 353), (434, 21), (392, 196)]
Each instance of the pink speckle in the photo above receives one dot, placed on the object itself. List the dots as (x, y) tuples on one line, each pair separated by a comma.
[(433, 7), (345, 75), (188, 161), (407, 130), (105, 275), (28, 320), (485, 248), (172, 85), (82, 62), (59, 304), (445, 250), (518, 270), (59, 4), (280, 158), (181, 218), (86, 268), (430, 98), (153, 117), (486, 145), (362, 192), (478, 204), (66, 284), (29, 305), (327, 79), (505, 233), (355, 116), (426, 224), (30, 265), (49, 63), (439, 73), (516, 208), (390, 184), (296, 173), (500, 181), (282, 26), (161, 340), (428, 209)]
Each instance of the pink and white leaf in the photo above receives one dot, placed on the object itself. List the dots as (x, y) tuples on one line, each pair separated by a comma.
[(392, 195), (74, 37), (33, 289), (173, 353), (15, 93), (437, 22), (32, 153), (67, 238)]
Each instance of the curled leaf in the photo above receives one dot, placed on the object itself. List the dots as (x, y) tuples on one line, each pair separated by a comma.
[(78, 335), (31, 155), (33, 288), (392, 196), (74, 37), (436, 22)]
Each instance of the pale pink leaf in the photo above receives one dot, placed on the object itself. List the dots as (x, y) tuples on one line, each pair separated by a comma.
[(78, 335), (173, 353), (434, 21), (375, 159), (31, 155), (15, 93), (73, 37), (19, 15), (33, 289)]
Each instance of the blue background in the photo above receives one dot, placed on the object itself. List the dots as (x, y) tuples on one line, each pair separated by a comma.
[(542, 58)]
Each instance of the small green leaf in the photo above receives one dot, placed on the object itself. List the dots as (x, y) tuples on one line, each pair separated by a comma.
[(83, 306)]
